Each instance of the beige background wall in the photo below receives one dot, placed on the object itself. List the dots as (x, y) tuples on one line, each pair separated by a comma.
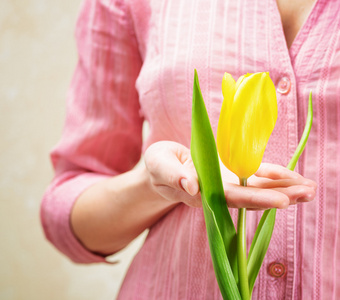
[(37, 58)]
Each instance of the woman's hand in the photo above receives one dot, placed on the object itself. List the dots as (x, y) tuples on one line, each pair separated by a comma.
[(173, 176), (172, 173), (272, 186)]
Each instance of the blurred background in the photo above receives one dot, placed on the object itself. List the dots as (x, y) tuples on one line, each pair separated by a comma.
[(37, 59)]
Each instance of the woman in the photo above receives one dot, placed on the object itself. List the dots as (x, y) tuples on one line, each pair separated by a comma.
[(136, 63)]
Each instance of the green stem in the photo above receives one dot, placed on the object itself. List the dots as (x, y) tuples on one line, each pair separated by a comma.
[(242, 249), (304, 138)]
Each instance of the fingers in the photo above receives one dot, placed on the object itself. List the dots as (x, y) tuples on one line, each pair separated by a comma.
[(272, 171), (255, 198), (259, 198), (172, 172), (273, 187), (268, 183), (173, 176), (298, 193), (170, 164), (190, 181)]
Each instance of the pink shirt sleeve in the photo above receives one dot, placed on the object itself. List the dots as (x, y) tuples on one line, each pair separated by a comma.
[(102, 134)]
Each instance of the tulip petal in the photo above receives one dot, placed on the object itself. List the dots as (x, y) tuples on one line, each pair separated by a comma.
[(223, 129), (228, 86), (239, 81), (253, 117)]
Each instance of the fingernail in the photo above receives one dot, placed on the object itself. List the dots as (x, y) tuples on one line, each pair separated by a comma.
[(308, 198), (184, 184)]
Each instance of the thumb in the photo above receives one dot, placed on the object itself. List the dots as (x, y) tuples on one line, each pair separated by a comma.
[(190, 181), (170, 164)]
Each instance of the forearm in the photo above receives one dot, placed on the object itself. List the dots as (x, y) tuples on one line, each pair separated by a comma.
[(110, 214)]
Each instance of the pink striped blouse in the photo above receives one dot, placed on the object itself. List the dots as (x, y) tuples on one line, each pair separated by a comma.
[(136, 63)]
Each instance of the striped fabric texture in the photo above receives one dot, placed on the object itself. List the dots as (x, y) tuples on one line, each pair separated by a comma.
[(136, 63)]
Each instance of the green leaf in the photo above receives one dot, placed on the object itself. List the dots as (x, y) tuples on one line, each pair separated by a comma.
[(265, 228), (260, 245), (220, 227)]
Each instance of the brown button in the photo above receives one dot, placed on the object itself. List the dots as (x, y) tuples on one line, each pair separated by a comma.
[(276, 269), (283, 86)]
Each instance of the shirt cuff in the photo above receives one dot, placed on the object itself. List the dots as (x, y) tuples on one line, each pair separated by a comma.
[(55, 213)]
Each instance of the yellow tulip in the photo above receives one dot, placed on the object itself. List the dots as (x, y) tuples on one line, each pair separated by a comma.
[(247, 119)]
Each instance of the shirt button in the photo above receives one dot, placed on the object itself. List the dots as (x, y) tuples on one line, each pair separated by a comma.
[(276, 269), (283, 86)]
